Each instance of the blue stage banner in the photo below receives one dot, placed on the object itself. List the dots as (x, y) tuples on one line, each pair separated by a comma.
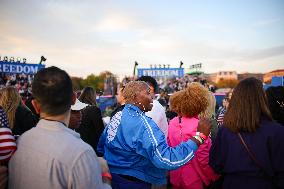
[(161, 72), (18, 68)]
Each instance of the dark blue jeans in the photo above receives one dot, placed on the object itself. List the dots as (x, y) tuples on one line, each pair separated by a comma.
[(119, 182)]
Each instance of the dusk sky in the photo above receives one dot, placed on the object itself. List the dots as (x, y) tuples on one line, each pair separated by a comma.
[(89, 36)]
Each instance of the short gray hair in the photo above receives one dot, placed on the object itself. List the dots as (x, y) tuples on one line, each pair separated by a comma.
[(132, 89)]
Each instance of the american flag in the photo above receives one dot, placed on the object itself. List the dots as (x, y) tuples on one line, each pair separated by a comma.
[(7, 140), (220, 119)]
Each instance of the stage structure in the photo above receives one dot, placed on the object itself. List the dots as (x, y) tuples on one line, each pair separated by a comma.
[(17, 67), (160, 72), (195, 69)]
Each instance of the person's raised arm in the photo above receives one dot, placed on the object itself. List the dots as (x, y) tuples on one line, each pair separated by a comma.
[(152, 145)]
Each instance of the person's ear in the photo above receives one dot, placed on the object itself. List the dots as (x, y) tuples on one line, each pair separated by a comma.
[(36, 106), (74, 97)]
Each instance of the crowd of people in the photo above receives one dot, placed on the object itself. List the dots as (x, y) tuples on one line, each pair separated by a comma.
[(22, 82), (174, 84), (59, 139)]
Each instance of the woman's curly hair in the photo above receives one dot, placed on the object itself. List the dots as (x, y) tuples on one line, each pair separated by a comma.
[(191, 101)]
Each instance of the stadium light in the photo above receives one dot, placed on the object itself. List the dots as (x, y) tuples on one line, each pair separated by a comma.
[(42, 59), (181, 63), (135, 65)]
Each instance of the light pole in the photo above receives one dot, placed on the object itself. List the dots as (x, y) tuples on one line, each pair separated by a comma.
[(42, 59), (180, 65), (135, 65)]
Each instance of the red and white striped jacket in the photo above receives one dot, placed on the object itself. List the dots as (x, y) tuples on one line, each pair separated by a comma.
[(7, 140)]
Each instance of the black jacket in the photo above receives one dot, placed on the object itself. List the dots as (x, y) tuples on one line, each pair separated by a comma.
[(91, 126), (24, 120)]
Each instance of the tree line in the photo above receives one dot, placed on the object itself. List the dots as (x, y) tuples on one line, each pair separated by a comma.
[(92, 80)]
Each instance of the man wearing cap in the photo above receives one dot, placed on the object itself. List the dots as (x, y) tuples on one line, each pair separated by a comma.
[(51, 155)]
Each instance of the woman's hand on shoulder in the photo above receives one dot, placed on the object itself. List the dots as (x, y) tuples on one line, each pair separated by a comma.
[(204, 126)]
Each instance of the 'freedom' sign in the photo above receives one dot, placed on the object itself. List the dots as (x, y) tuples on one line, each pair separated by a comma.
[(161, 72), (18, 68)]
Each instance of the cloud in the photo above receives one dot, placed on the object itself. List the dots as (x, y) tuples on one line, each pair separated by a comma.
[(266, 22), (89, 37), (205, 26), (260, 54), (116, 22)]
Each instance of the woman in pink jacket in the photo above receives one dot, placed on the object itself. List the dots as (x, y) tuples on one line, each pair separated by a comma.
[(189, 103)]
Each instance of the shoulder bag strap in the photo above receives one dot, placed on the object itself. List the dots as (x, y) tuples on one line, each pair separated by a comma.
[(252, 156)]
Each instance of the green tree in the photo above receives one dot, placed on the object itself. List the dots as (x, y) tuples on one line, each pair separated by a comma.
[(104, 74), (227, 83), (76, 81), (93, 81)]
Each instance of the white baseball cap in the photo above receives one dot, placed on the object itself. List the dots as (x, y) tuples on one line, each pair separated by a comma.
[(78, 105)]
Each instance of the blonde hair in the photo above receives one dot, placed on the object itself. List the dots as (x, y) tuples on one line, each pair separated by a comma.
[(132, 89), (190, 101), (10, 99), (175, 101), (210, 110)]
